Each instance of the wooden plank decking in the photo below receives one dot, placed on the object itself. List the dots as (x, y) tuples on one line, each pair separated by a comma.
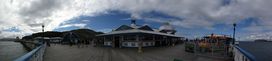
[(73, 53)]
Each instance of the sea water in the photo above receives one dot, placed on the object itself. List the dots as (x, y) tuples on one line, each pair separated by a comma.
[(10, 50)]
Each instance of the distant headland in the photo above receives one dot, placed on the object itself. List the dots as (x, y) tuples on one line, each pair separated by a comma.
[(85, 34)]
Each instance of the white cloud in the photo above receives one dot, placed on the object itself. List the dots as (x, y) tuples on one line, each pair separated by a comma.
[(105, 30), (255, 36), (11, 34), (85, 21), (73, 25), (29, 15)]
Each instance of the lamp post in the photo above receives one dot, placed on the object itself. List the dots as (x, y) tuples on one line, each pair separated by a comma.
[(43, 41), (234, 26), (42, 28)]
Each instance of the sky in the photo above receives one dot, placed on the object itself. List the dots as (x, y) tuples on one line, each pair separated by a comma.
[(191, 18)]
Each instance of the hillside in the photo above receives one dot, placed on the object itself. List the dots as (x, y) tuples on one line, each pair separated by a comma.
[(84, 34)]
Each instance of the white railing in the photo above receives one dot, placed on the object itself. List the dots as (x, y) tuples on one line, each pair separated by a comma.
[(34, 55), (242, 55)]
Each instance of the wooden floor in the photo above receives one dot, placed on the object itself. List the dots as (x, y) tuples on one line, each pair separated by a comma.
[(89, 53)]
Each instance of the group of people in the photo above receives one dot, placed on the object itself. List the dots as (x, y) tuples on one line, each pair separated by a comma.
[(79, 43)]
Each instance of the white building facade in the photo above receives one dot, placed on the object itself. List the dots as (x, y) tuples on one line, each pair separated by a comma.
[(138, 36)]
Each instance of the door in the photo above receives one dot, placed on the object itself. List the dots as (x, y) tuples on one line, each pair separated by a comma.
[(117, 41), (157, 43)]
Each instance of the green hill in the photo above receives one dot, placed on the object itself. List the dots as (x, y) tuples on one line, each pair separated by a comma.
[(84, 34)]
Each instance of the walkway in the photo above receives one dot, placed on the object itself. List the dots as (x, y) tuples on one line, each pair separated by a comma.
[(73, 53)]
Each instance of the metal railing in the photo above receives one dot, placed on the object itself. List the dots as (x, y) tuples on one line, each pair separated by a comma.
[(245, 53), (34, 55)]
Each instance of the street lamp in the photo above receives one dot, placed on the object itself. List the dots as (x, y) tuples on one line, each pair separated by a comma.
[(43, 41), (42, 28), (234, 26)]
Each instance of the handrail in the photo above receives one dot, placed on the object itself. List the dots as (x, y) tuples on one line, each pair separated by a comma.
[(247, 54), (38, 51)]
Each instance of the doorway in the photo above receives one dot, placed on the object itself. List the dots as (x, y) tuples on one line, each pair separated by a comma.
[(117, 41)]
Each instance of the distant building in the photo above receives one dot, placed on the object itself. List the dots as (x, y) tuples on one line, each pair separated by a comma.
[(50, 39), (70, 38), (214, 43), (55, 39), (253, 51), (139, 36), (220, 40)]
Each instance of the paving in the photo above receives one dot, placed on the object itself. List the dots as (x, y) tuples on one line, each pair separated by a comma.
[(89, 53)]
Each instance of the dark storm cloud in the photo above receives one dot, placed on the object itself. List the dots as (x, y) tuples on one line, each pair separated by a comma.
[(41, 8)]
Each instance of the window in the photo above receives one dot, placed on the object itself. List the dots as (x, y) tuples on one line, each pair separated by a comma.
[(129, 37), (105, 43), (125, 44), (132, 44), (147, 43), (147, 37), (108, 38), (151, 43), (158, 37), (244, 59)]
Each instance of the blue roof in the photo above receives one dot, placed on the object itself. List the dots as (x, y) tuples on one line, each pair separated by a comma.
[(262, 51)]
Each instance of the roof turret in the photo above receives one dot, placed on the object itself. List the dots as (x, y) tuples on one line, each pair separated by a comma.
[(166, 26)]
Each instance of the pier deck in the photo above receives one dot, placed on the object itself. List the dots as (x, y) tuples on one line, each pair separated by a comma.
[(73, 53)]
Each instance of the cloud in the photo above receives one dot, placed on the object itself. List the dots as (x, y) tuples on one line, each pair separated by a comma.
[(29, 15), (40, 8), (85, 21), (11, 34), (73, 25), (105, 30), (255, 36)]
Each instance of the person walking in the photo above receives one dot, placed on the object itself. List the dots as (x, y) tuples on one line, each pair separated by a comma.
[(47, 43)]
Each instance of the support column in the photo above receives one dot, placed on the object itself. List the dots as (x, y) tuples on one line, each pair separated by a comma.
[(113, 42), (104, 39), (121, 41), (139, 44), (173, 41), (153, 37), (160, 41), (154, 41)]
